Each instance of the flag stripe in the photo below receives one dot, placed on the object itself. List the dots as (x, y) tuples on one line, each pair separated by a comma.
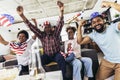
[(18, 49), (6, 20), (2, 17)]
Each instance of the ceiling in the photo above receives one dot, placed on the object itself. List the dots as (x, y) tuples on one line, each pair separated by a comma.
[(43, 8)]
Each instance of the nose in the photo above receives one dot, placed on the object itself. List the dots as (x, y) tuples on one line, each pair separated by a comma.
[(96, 23)]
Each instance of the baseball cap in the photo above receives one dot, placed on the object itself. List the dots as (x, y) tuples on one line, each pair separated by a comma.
[(46, 23), (94, 15)]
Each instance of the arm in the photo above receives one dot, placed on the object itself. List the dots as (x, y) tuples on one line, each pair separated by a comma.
[(61, 7), (80, 39), (3, 41), (35, 22), (32, 27), (113, 5), (61, 21)]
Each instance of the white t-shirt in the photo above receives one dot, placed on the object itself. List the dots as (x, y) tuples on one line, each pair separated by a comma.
[(75, 46), (22, 52)]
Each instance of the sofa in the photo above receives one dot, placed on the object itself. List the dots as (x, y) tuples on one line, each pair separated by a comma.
[(53, 65), (91, 53)]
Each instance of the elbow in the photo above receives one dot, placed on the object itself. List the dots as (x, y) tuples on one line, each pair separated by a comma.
[(78, 41)]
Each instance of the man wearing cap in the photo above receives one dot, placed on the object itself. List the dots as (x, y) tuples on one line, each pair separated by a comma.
[(108, 39), (50, 40)]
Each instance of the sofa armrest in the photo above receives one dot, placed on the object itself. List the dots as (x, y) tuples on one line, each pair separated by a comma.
[(11, 62), (92, 53)]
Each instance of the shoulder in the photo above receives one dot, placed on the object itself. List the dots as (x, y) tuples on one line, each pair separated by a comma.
[(91, 34), (12, 42), (30, 42), (115, 26)]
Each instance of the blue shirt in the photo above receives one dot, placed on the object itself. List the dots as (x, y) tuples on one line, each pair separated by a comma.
[(109, 42)]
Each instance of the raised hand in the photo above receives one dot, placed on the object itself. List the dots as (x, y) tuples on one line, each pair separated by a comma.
[(106, 4), (60, 5), (82, 23), (35, 22), (19, 10), (3, 41)]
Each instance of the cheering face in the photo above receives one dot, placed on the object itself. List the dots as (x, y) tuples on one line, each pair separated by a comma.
[(22, 38), (98, 24), (70, 34), (47, 29)]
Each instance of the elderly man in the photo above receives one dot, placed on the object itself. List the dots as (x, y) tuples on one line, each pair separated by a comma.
[(50, 40)]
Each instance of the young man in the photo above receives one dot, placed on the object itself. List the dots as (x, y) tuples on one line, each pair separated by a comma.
[(50, 40), (22, 49), (108, 39), (11, 54), (77, 51), (70, 58)]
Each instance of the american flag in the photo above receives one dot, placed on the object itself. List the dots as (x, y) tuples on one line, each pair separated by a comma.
[(6, 20)]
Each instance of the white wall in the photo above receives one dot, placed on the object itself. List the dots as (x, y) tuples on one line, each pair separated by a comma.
[(8, 37), (114, 12)]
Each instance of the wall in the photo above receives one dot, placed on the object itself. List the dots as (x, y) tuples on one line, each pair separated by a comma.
[(15, 28), (114, 12), (8, 37)]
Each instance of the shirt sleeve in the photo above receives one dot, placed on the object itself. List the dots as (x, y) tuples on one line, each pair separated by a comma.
[(91, 36), (59, 26), (33, 28)]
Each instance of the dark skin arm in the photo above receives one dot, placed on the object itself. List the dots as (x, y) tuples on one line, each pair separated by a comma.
[(3, 41), (61, 7)]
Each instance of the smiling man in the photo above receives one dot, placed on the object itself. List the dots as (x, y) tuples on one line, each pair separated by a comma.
[(108, 39)]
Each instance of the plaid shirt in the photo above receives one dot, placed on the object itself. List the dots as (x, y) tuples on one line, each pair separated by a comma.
[(50, 43)]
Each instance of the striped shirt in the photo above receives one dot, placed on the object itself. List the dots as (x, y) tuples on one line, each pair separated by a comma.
[(50, 43), (22, 51), (18, 48)]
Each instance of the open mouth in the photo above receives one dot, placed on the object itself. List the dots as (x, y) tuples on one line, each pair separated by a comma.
[(98, 26)]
